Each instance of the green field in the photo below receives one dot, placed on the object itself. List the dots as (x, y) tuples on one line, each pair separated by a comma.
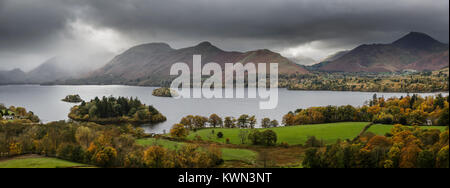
[(231, 154), (228, 154), (161, 142), (39, 162), (295, 135)]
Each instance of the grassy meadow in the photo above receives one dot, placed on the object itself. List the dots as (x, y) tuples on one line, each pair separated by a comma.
[(228, 154), (38, 162), (296, 135)]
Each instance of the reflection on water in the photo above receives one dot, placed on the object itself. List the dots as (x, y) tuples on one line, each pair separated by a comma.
[(45, 101)]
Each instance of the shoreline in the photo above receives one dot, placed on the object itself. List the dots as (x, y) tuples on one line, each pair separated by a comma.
[(43, 85)]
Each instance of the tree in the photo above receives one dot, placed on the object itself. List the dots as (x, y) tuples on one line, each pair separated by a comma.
[(313, 142), (84, 136), (288, 119), (21, 111), (105, 157), (269, 138), (242, 121), (188, 121), (229, 122), (426, 159), (200, 122), (152, 110), (142, 114), (265, 123), (444, 117), (379, 142), (179, 131), (252, 122), (215, 120), (256, 137), (156, 157), (312, 158), (439, 101), (443, 158), (408, 156), (243, 136), (274, 123)]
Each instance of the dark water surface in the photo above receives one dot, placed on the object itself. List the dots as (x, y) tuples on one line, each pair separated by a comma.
[(45, 101)]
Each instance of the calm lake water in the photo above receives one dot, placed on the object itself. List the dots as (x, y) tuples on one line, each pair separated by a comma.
[(45, 101)]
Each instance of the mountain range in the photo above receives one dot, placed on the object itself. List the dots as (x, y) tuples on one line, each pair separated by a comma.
[(54, 69), (149, 64), (415, 51)]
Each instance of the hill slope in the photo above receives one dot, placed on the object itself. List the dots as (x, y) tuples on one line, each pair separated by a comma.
[(49, 71), (150, 64), (416, 51), (15, 76)]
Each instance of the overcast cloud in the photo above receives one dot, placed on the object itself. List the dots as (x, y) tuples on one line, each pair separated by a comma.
[(32, 31)]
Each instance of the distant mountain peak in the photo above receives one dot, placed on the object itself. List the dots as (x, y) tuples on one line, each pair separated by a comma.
[(205, 44), (153, 45), (415, 50), (264, 52), (207, 47), (17, 71), (417, 40), (150, 48)]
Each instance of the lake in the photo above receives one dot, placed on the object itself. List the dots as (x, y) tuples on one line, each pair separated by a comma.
[(45, 101)]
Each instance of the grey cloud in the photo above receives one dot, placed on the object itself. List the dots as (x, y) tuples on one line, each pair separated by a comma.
[(294, 21), (30, 24), (231, 24)]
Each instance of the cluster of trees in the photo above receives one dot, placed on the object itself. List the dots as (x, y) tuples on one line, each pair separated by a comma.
[(72, 99), (103, 146), (188, 156), (164, 92), (402, 148), (244, 121), (19, 113), (265, 138), (409, 110), (256, 137), (112, 110), (368, 82), (267, 123)]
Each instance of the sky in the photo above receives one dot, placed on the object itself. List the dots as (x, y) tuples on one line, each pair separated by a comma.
[(88, 33)]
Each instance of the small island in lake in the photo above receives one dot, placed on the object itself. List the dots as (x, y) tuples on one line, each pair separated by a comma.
[(164, 92), (73, 99), (110, 110)]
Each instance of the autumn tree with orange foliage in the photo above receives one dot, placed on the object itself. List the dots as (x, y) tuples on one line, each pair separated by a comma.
[(179, 131), (409, 110), (157, 157), (404, 148)]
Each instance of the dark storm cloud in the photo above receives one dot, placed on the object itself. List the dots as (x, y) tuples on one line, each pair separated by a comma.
[(30, 26), (287, 21), (26, 24)]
